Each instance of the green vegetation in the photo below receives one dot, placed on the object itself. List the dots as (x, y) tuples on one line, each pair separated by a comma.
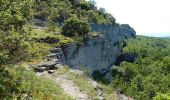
[(60, 10), (147, 78), (20, 83), (73, 27), (52, 38), (21, 42), (6, 84), (149, 74), (82, 81), (162, 97)]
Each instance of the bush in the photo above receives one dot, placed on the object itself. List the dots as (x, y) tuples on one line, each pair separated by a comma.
[(39, 88), (7, 84), (17, 47), (51, 27), (73, 27), (13, 47), (18, 83)]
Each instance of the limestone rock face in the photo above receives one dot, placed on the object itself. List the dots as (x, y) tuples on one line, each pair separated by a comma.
[(98, 53)]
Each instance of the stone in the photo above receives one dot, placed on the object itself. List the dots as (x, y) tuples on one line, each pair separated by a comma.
[(58, 66), (76, 71), (53, 55), (51, 71), (49, 65), (123, 97), (101, 98), (94, 84), (55, 50)]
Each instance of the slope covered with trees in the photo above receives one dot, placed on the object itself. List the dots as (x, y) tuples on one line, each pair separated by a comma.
[(21, 42), (17, 32), (149, 75), (146, 78)]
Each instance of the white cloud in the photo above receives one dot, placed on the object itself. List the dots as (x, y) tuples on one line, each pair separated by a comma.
[(148, 17)]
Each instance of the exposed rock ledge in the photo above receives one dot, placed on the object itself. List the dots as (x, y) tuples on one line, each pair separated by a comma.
[(98, 53)]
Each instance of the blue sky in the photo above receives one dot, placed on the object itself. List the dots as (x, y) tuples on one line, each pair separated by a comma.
[(147, 17)]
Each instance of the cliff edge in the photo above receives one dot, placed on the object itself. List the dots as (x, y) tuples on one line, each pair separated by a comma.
[(99, 52)]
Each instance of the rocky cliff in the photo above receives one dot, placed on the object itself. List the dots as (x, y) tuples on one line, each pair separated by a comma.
[(98, 53)]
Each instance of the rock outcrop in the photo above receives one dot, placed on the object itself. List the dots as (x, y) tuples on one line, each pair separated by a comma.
[(98, 53), (55, 61)]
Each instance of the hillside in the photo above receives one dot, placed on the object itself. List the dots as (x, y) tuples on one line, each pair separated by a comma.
[(29, 30), (71, 50), (146, 74)]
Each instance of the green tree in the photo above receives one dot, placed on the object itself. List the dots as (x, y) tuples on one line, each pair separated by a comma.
[(56, 10), (13, 46), (149, 74), (165, 64), (75, 27), (14, 14), (8, 85)]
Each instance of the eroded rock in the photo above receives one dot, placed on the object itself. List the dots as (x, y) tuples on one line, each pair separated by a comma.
[(99, 52)]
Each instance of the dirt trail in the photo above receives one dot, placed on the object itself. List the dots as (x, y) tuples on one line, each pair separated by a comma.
[(67, 85)]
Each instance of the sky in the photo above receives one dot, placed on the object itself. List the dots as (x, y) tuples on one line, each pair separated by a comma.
[(147, 17)]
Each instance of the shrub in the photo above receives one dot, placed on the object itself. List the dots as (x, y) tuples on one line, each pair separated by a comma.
[(18, 83), (51, 27), (7, 84), (17, 47), (73, 27), (13, 47)]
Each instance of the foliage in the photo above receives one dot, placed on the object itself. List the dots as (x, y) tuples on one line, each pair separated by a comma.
[(20, 42), (17, 47), (20, 82), (8, 85), (82, 81), (162, 97), (75, 27), (15, 13), (56, 10), (51, 27), (52, 38), (60, 10), (13, 47), (149, 74)]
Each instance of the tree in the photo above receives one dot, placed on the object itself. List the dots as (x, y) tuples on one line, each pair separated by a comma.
[(13, 17), (13, 47), (56, 10), (165, 64), (7, 84), (75, 27), (14, 13)]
